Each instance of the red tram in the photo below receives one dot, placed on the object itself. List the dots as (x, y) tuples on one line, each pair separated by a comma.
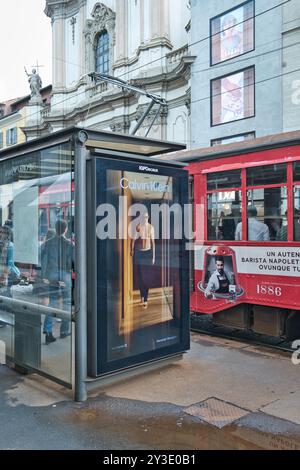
[(246, 257)]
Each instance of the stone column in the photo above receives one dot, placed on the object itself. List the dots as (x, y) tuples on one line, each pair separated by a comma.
[(159, 19), (81, 26), (58, 49), (142, 19), (121, 31)]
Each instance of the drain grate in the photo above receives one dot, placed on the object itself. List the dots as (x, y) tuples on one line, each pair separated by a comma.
[(216, 412)]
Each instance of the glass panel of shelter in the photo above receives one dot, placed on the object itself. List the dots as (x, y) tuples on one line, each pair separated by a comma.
[(36, 261), (267, 204)]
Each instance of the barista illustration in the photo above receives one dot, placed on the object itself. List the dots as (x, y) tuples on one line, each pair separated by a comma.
[(219, 281), (220, 278)]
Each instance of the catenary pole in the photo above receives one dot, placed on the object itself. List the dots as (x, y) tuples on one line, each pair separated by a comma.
[(155, 99)]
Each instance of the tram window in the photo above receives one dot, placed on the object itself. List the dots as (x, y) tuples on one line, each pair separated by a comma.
[(223, 180), (297, 213), (267, 214), (223, 215), (297, 171), (269, 174)]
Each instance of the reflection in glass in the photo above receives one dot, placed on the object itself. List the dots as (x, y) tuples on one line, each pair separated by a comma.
[(36, 259), (224, 180), (268, 174), (234, 139), (296, 168), (267, 214), (223, 215)]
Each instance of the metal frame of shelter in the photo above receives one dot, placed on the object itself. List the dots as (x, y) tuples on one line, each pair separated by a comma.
[(84, 143)]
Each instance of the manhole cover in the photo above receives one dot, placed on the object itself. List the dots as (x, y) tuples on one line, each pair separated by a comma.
[(216, 412)]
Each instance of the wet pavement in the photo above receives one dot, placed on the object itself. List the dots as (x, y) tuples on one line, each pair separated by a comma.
[(40, 415)]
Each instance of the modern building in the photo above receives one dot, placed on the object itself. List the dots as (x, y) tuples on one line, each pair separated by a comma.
[(246, 77), (144, 42), (16, 114)]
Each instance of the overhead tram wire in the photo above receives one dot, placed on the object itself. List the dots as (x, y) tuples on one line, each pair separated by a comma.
[(207, 37), (188, 45), (206, 97)]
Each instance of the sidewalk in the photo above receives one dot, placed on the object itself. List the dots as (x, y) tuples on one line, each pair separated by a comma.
[(222, 395)]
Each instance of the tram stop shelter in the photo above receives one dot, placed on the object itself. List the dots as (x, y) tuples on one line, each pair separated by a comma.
[(83, 295)]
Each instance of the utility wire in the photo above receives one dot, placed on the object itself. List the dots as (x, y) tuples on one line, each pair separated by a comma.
[(247, 59), (189, 45)]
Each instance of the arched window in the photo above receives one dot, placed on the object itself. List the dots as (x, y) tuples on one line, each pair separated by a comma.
[(102, 53)]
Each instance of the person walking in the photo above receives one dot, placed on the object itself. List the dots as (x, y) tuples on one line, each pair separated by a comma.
[(57, 255)]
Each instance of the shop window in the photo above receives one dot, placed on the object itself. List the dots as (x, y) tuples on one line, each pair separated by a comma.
[(223, 215), (233, 97), (267, 214), (264, 175), (232, 33), (297, 171), (233, 139), (224, 180)]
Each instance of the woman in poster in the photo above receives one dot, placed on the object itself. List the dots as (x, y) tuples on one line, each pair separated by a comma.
[(143, 251)]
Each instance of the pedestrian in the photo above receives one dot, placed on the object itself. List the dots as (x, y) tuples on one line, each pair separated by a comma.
[(57, 255)]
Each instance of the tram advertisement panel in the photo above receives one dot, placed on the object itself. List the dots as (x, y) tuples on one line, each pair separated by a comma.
[(141, 266), (237, 274)]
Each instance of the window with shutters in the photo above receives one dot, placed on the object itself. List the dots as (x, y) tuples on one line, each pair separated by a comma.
[(11, 136)]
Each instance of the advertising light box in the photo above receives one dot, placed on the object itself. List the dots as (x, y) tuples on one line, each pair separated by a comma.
[(138, 264)]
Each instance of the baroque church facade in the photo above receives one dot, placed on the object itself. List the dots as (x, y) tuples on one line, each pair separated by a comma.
[(144, 42)]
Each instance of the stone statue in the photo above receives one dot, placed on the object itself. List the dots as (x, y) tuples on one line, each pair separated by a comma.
[(35, 83)]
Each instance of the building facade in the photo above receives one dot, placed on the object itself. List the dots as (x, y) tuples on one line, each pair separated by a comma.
[(16, 114), (144, 42), (246, 75)]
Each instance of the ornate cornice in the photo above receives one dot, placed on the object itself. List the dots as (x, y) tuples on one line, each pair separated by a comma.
[(63, 8), (120, 125)]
